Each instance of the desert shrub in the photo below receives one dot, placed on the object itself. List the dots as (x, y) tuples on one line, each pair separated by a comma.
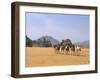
[(66, 42), (28, 42)]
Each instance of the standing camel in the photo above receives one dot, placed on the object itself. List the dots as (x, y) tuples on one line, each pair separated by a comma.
[(73, 50), (57, 49), (78, 50), (67, 49), (62, 49)]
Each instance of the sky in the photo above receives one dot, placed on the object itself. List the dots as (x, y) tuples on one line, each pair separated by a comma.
[(58, 26)]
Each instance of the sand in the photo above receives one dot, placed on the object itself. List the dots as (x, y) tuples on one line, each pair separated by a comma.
[(39, 56)]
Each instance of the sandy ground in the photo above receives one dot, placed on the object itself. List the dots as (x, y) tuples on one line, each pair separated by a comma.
[(37, 56)]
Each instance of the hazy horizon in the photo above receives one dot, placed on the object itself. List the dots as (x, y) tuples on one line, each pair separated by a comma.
[(58, 26)]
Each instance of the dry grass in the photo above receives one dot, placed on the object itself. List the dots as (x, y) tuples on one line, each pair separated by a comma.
[(38, 56)]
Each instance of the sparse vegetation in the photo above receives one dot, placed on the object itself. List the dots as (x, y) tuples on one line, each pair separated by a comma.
[(66, 42), (28, 42)]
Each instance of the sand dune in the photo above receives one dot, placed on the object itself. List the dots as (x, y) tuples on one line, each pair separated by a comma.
[(38, 56)]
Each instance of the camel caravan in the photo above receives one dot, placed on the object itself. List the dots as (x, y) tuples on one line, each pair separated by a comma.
[(66, 47)]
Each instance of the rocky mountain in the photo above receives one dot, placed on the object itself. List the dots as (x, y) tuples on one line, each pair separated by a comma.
[(49, 38), (83, 44)]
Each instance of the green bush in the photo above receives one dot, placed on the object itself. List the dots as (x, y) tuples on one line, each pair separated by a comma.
[(28, 42)]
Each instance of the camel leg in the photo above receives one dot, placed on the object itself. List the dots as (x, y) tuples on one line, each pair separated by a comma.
[(66, 52), (74, 53)]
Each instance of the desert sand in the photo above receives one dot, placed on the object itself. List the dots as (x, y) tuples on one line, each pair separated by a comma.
[(39, 56)]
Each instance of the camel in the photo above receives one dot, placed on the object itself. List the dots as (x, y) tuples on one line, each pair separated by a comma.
[(78, 50), (67, 49), (57, 49), (73, 50)]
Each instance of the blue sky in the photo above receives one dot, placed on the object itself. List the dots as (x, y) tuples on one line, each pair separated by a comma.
[(58, 26)]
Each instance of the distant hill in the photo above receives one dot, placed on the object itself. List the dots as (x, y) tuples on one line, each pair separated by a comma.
[(52, 41), (83, 44), (49, 38)]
